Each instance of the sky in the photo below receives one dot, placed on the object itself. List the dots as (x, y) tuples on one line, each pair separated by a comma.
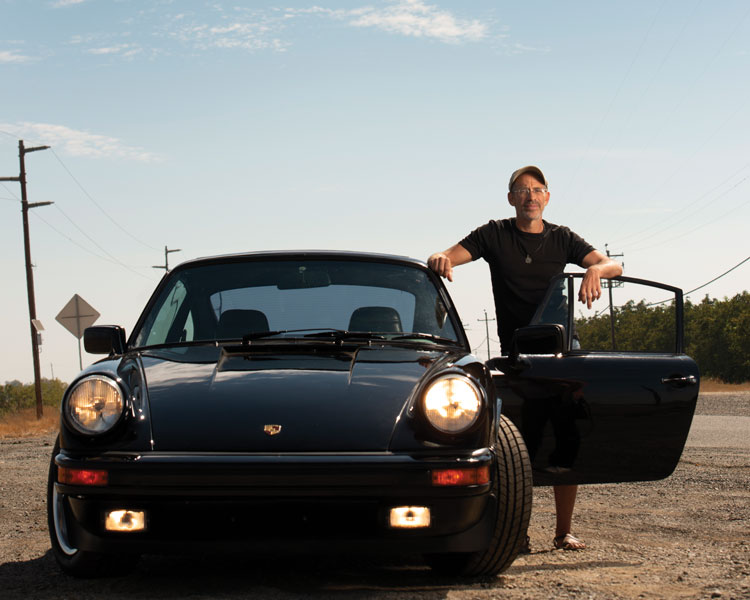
[(389, 126)]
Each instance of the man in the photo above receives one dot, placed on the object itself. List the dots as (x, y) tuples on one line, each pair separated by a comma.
[(524, 253)]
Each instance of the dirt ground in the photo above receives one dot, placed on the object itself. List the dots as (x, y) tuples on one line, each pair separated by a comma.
[(684, 537)]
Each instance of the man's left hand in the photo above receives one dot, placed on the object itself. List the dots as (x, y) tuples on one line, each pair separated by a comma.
[(591, 287), (597, 266)]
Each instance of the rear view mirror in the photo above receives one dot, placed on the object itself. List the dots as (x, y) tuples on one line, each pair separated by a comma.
[(303, 277), (546, 338), (104, 339)]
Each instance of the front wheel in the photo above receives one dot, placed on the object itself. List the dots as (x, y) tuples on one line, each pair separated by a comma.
[(76, 562), (513, 487)]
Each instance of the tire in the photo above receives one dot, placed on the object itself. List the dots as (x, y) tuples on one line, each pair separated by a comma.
[(512, 485), (79, 563)]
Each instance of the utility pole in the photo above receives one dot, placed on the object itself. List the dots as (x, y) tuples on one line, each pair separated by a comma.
[(610, 285), (487, 329), (25, 206), (167, 252)]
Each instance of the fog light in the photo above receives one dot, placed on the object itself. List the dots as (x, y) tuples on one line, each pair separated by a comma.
[(410, 517), (125, 520)]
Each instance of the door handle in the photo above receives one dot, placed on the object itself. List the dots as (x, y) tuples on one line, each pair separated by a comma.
[(681, 380)]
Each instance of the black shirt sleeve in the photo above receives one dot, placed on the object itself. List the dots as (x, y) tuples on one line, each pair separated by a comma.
[(578, 248), (479, 240)]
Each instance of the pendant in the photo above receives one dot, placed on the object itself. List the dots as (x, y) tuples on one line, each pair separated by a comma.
[(528, 259)]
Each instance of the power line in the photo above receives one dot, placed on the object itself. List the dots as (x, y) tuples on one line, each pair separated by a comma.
[(701, 226), (686, 294), (82, 247), (487, 328), (476, 349), (95, 203), (493, 341), (629, 238), (112, 259), (7, 189), (650, 83), (111, 256), (605, 116), (672, 114), (719, 277), (731, 118)]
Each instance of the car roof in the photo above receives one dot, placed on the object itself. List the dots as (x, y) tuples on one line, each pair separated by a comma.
[(302, 254)]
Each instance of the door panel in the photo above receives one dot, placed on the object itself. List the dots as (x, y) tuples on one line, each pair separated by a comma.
[(601, 418), (599, 414)]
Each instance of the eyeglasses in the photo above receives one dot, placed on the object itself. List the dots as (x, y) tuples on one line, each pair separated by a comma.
[(525, 192)]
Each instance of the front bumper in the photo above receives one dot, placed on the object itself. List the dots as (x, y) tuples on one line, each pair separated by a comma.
[(277, 500)]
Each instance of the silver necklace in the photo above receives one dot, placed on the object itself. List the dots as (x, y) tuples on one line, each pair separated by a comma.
[(528, 260)]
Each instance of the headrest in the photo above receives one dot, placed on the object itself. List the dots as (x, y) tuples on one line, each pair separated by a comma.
[(235, 323), (375, 318)]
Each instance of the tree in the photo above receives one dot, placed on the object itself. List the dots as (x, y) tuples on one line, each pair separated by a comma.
[(15, 395), (717, 333)]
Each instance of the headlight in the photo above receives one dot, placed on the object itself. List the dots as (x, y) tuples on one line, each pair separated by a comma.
[(452, 403), (94, 405)]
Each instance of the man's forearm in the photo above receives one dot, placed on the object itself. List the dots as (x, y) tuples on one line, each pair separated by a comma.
[(607, 268)]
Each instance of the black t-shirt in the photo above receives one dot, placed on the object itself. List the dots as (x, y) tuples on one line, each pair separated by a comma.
[(521, 266)]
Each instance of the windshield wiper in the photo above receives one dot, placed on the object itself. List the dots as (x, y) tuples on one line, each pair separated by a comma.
[(340, 334), (425, 336), (168, 345), (256, 335), (316, 332)]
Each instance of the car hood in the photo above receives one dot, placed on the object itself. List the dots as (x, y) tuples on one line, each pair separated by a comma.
[(281, 402)]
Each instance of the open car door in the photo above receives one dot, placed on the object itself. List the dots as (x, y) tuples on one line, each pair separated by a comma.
[(605, 394)]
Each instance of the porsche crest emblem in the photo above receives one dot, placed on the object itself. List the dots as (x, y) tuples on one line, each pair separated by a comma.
[(271, 429)]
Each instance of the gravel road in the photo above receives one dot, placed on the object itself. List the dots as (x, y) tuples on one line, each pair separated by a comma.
[(684, 537)]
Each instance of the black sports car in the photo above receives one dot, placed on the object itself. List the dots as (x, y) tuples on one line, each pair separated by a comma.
[(315, 400)]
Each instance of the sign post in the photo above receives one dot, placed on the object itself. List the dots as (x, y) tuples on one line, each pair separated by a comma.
[(75, 316)]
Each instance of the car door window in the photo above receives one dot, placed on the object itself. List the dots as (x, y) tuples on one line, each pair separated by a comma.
[(631, 316), (164, 318)]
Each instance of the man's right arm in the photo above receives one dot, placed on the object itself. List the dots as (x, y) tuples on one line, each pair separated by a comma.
[(443, 262)]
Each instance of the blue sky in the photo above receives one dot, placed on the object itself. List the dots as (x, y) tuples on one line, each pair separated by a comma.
[(388, 126)]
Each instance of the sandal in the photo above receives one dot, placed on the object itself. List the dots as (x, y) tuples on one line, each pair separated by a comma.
[(567, 541)]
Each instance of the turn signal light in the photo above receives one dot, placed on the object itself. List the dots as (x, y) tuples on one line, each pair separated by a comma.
[(470, 476), (82, 476)]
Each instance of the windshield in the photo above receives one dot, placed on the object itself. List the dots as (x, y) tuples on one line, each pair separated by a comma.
[(294, 298)]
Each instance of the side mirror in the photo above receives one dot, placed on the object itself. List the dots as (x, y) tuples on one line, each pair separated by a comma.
[(548, 338), (104, 339)]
